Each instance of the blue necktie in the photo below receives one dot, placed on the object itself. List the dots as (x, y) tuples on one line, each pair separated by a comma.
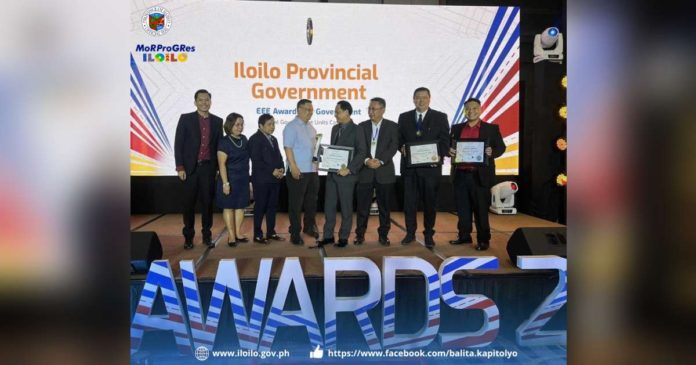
[(419, 123)]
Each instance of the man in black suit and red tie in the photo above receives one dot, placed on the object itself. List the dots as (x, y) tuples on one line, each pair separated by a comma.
[(472, 183), (266, 172), (382, 136), (195, 153), (422, 125)]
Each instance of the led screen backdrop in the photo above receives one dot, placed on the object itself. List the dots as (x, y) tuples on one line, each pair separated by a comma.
[(261, 57)]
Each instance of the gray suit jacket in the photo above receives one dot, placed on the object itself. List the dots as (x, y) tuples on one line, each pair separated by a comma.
[(387, 145), (350, 137)]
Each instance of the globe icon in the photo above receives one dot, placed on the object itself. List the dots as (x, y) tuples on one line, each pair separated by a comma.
[(202, 353)]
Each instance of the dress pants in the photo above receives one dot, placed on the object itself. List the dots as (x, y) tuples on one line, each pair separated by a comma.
[(338, 189), (471, 197), (302, 192), (417, 187), (199, 185), (364, 198), (265, 204)]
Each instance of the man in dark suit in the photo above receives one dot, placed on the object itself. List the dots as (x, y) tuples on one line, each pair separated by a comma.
[(340, 184), (472, 183), (195, 153), (382, 136), (422, 125), (266, 172)]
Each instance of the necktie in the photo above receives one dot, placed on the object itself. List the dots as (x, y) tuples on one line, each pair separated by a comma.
[(419, 124), (338, 135)]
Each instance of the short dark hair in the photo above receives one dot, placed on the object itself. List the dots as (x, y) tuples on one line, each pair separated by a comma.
[(421, 89), (263, 118), (229, 122), (201, 91), (303, 102), (474, 100), (380, 101), (344, 105)]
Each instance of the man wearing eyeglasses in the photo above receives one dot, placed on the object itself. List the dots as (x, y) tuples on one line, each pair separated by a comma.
[(299, 138), (341, 184), (377, 174), (422, 124)]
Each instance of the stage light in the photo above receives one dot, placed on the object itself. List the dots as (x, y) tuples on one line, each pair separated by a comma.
[(561, 180), (563, 112), (543, 43), (549, 37), (561, 144), (564, 82), (503, 198)]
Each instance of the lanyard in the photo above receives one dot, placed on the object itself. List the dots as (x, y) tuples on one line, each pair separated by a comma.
[(375, 134)]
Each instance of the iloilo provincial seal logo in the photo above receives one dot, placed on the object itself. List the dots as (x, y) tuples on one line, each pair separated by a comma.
[(156, 21)]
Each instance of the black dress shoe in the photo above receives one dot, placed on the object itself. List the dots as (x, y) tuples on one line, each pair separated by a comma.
[(482, 246), (312, 233), (429, 241), (359, 240), (243, 239), (232, 243), (408, 239), (188, 244), (460, 241), (384, 241), (275, 237), (296, 240), (260, 240), (325, 241), (343, 242), (208, 241)]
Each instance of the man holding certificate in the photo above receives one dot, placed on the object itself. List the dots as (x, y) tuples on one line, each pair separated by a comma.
[(424, 140), (343, 160), (475, 146)]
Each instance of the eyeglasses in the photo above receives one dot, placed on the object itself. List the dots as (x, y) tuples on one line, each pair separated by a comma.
[(374, 108)]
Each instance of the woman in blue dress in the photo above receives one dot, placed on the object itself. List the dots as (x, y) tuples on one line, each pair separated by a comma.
[(232, 191)]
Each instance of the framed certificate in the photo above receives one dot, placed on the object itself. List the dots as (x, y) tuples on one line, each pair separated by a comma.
[(470, 151), (422, 154), (334, 158)]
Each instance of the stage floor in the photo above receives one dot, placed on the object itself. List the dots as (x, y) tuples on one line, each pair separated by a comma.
[(168, 228)]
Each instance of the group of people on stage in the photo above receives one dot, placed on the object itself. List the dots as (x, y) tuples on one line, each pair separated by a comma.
[(201, 151)]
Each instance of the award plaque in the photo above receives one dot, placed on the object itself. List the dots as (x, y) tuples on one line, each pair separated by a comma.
[(470, 151), (422, 154), (317, 144), (333, 158)]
